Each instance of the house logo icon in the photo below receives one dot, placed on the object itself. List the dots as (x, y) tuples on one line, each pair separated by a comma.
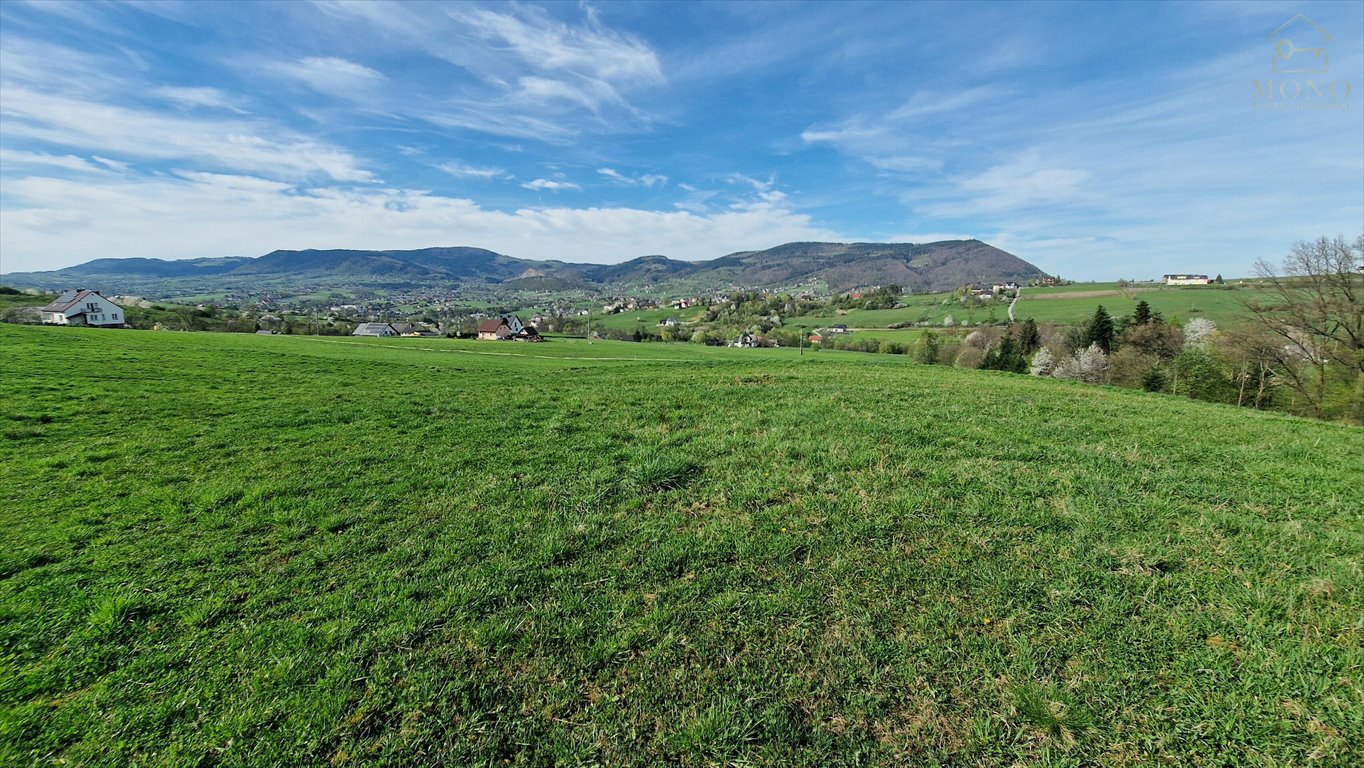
[(1300, 47), (1300, 66)]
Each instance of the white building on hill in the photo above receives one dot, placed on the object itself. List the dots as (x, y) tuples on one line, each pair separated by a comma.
[(1186, 280), (82, 307)]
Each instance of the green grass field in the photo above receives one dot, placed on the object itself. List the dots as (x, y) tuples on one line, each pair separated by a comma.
[(1067, 305), (236, 550), (1221, 305)]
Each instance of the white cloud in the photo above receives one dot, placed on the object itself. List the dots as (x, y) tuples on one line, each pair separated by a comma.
[(196, 97), (9, 158), (646, 180), (455, 168), (553, 186), (518, 72), (333, 76), (1022, 182), (589, 51), (57, 222), (233, 144)]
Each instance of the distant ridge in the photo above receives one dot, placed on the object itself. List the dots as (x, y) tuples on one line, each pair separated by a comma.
[(923, 267)]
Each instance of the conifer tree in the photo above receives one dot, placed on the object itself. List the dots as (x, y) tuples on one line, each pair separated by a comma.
[(1099, 331)]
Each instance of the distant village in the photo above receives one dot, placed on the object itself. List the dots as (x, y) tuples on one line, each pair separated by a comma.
[(87, 307)]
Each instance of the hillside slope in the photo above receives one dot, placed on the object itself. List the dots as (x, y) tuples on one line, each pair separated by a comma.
[(926, 267), (922, 268), (638, 554)]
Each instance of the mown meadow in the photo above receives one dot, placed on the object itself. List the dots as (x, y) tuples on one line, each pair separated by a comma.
[(225, 549)]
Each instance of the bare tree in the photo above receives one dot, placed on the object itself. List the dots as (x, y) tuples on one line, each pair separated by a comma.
[(1316, 309)]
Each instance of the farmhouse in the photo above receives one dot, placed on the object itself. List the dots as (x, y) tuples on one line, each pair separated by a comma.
[(838, 328), (505, 327), (670, 322), (82, 307), (375, 329), (1186, 280)]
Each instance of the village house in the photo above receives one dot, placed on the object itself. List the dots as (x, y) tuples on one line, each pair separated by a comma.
[(1186, 279), (839, 328), (375, 329), (83, 307), (501, 328), (670, 322)]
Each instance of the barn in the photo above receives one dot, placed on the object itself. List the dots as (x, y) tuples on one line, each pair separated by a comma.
[(375, 329)]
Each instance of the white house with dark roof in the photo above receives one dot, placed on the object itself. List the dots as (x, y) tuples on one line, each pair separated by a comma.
[(1186, 279), (83, 307)]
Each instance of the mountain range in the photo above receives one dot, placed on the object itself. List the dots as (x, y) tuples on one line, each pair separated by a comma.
[(924, 267)]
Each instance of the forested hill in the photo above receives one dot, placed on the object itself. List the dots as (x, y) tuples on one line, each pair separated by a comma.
[(919, 267)]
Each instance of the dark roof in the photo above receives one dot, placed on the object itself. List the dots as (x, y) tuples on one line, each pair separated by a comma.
[(67, 299), (491, 326)]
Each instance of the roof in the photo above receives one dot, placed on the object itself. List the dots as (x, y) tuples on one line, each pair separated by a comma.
[(371, 329), (68, 299), (491, 326)]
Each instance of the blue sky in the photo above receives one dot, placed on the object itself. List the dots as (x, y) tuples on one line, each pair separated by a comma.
[(1095, 140)]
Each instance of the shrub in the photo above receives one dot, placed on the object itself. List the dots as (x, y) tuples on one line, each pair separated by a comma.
[(1198, 375), (970, 356), (1006, 356), (1129, 366), (1156, 339), (926, 348), (1154, 380)]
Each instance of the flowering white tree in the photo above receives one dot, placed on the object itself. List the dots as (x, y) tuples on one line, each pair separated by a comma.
[(948, 322), (1199, 331), (1043, 363), (1088, 365)]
